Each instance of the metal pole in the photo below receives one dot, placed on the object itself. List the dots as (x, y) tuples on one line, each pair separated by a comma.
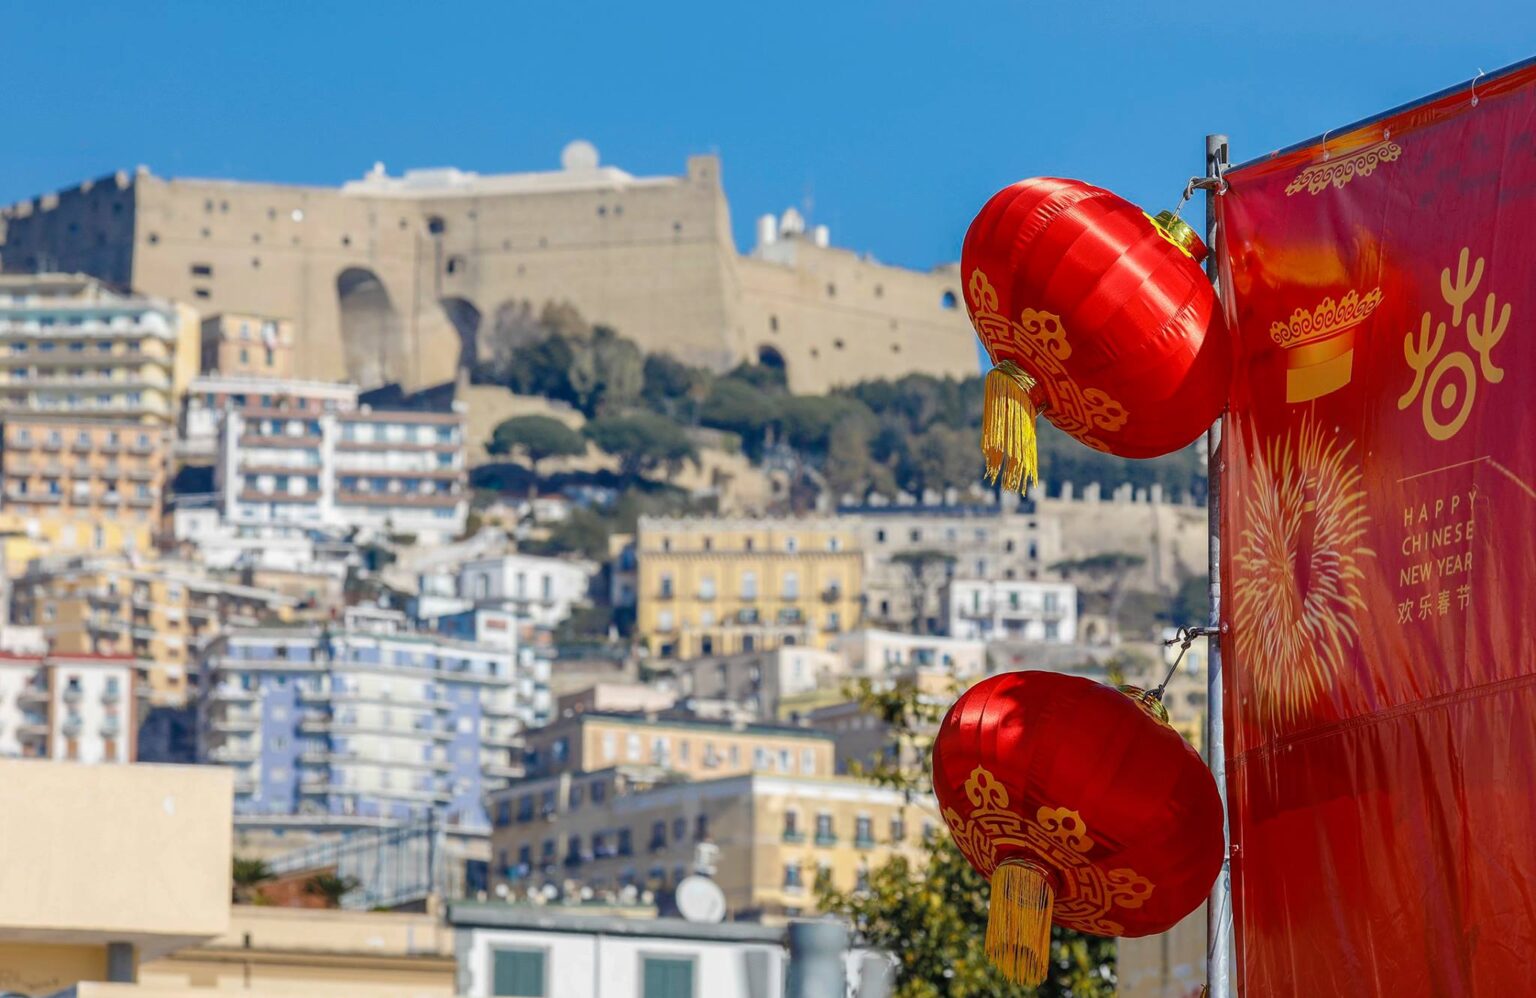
[(1218, 912), (816, 959)]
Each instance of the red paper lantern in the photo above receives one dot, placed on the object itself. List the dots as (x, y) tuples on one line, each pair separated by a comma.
[(1081, 806), (1098, 316)]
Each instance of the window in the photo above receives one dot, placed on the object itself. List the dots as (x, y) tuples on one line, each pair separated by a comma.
[(519, 973), (666, 977), (666, 586), (791, 585), (824, 834), (792, 876), (791, 544), (707, 587), (898, 828), (749, 585), (863, 831)]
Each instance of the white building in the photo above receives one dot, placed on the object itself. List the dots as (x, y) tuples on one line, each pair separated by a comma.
[(508, 949), (395, 472), (892, 653), (209, 395), (990, 609), (542, 590), (80, 708)]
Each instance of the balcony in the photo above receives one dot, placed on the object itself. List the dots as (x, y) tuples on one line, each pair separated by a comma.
[(235, 723), (32, 696), (72, 695), (794, 836), (30, 729), (826, 839), (233, 753), (863, 842)]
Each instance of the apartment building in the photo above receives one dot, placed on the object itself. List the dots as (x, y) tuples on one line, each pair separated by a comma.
[(988, 609), (694, 749), (80, 708), (768, 839), (210, 394), (159, 614), (719, 586), (540, 590), (73, 485), (758, 684), (397, 472), (247, 346), (910, 552), (330, 727), (70, 345)]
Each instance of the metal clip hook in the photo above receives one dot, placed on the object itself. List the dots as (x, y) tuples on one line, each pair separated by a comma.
[(1479, 76)]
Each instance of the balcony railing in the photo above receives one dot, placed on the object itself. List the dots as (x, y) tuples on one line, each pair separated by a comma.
[(794, 835)]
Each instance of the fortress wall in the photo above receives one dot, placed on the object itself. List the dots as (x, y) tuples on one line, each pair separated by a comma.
[(837, 319), (652, 257)]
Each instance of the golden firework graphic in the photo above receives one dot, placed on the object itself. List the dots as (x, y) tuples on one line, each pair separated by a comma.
[(1298, 569)]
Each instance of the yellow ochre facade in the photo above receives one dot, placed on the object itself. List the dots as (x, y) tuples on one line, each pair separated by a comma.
[(717, 587)]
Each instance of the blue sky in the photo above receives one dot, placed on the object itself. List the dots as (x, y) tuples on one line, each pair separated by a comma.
[(893, 120)]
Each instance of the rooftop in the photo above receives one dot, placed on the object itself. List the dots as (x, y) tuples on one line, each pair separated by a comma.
[(531, 918), (720, 727)]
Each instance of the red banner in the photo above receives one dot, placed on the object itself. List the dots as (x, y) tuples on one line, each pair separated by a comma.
[(1379, 554)]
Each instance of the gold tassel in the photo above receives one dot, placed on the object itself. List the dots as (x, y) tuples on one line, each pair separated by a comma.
[(1008, 428), (1019, 922)]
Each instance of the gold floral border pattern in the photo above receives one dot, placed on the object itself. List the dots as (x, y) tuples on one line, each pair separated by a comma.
[(1059, 837), (1327, 318), (1041, 340), (1337, 172)]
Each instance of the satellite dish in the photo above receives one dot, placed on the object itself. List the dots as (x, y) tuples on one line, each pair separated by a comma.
[(700, 899), (502, 890), (579, 155), (551, 892)]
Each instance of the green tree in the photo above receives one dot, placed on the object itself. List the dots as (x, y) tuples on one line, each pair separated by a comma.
[(806, 422), (848, 468), (931, 913), (742, 409), (644, 443), (606, 372), (923, 568), (584, 533), (672, 388), (331, 887), (543, 368), (537, 437), (763, 377), (245, 876), (940, 458)]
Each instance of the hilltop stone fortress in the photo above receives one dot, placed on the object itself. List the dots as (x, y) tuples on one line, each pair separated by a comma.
[(399, 279)]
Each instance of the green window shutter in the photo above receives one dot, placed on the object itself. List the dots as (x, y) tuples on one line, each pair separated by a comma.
[(668, 978), (518, 973)]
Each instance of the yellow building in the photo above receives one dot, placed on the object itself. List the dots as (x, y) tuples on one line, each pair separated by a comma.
[(691, 749), (247, 346), (308, 951), (107, 867), (160, 613), (715, 587), (767, 839), (74, 485), (72, 345)]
